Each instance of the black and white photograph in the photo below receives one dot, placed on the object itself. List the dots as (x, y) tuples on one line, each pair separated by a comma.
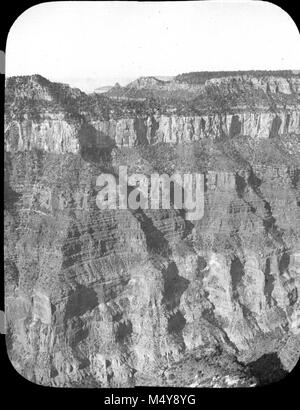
[(152, 194)]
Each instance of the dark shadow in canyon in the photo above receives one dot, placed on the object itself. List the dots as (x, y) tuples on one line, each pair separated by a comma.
[(122, 326), (153, 130), (95, 145), (284, 262), (268, 221), (155, 240), (267, 369), (235, 126), (295, 178), (174, 286), (140, 130), (201, 267), (11, 197), (124, 330), (176, 323), (80, 301), (240, 185), (276, 124), (236, 273), (269, 282)]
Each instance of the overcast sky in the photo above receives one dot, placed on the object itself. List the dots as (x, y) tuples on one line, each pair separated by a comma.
[(91, 44)]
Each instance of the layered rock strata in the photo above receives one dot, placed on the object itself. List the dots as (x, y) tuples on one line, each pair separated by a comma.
[(116, 298)]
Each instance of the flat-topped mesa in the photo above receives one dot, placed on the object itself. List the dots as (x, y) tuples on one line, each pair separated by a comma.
[(189, 86), (200, 77), (269, 84), (57, 118)]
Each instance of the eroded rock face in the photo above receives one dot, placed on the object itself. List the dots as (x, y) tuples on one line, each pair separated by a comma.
[(62, 137), (146, 297), (52, 135)]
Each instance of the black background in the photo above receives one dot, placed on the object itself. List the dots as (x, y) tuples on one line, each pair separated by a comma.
[(16, 391)]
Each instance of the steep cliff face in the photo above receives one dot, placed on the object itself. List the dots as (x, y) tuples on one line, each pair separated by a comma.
[(123, 297), (58, 135), (53, 118)]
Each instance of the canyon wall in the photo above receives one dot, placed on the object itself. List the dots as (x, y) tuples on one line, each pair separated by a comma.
[(117, 298), (58, 135)]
